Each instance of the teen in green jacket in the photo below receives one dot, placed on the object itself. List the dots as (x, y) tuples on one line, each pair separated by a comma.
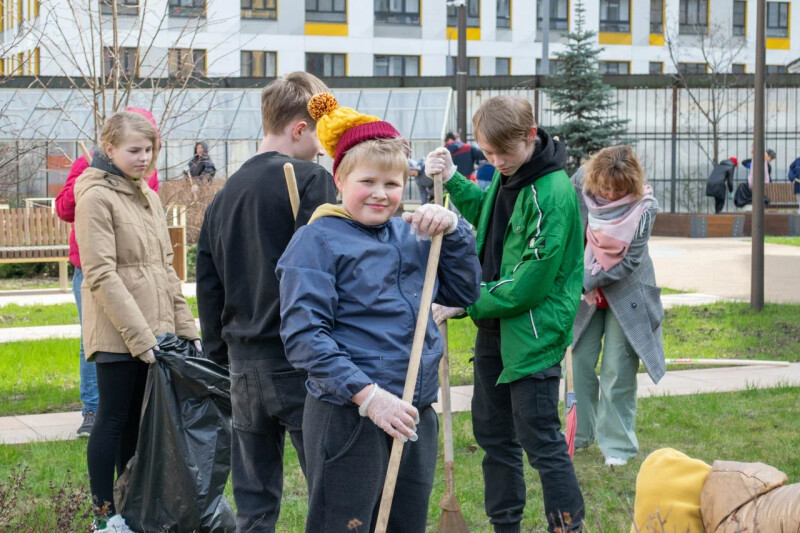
[(530, 243)]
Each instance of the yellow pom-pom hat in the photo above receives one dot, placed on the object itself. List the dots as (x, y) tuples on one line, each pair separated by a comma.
[(341, 128)]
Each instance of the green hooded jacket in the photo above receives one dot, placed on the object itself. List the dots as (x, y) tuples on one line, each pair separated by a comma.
[(539, 287)]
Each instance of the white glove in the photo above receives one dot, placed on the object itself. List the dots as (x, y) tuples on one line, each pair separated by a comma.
[(442, 313), (198, 345), (591, 297), (440, 162), (396, 417), (148, 357), (430, 220)]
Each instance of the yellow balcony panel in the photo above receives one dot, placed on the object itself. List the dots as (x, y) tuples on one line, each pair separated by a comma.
[(777, 43), (326, 28), (614, 38), (656, 39), (473, 34)]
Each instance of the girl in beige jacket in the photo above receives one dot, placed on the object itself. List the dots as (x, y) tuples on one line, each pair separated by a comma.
[(130, 291)]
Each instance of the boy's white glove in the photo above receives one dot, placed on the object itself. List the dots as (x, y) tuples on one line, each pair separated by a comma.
[(440, 162), (396, 417), (148, 357), (198, 345), (430, 220), (591, 297), (441, 313)]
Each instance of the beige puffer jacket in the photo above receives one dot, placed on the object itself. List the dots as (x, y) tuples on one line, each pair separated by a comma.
[(749, 498), (130, 291)]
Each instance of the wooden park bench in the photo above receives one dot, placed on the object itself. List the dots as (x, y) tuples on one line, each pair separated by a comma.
[(35, 236), (781, 196)]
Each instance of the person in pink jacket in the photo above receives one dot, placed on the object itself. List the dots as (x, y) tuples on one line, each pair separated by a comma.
[(65, 207)]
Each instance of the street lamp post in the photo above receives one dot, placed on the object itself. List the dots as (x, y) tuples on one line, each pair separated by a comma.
[(461, 69), (757, 226)]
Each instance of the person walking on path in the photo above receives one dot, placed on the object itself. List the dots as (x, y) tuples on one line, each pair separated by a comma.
[(794, 177), (530, 243), (245, 230), (130, 294), (65, 208), (721, 177), (465, 156), (350, 292), (621, 310), (200, 166)]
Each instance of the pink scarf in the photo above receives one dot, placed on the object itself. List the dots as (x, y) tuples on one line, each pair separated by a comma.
[(612, 226)]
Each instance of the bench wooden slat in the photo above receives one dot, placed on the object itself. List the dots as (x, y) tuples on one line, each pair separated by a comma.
[(30, 234)]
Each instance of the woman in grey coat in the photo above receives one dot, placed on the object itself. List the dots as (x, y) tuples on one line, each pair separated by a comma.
[(621, 310)]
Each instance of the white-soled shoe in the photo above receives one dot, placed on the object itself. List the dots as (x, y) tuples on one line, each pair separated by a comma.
[(616, 461), (115, 524)]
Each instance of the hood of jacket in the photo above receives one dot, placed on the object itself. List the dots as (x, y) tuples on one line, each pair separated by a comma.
[(204, 146), (731, 484), (330, 210), (103, 173)]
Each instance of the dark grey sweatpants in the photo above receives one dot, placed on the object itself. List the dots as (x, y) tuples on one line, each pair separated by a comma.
[(346, 460)]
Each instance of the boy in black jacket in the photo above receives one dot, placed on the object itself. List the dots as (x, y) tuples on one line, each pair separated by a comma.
[(246, 229)]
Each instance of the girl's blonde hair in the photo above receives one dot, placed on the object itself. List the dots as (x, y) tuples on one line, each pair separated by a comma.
[(386, 154), (617, 166), (121, 124), (504, 121)]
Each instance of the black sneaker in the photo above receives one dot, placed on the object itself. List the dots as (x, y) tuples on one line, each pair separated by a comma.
[(88, 421)]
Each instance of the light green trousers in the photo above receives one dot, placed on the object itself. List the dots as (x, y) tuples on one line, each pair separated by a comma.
[(606, 407)]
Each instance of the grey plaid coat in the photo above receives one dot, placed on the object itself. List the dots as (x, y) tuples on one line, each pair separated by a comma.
[(631, 292)]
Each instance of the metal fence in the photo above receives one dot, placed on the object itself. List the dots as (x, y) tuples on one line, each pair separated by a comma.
[(674, 140), (669, 132)]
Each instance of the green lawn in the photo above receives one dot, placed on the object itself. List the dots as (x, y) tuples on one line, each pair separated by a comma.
[(42, 376), (19, 316), (716, 331), (741, 426), (791, 241)]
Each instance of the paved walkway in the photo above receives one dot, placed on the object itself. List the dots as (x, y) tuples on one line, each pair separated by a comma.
[(62, 426)]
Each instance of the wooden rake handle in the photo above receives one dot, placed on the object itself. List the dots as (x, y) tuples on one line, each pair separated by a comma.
[(291, 184), (85, 151), (413, 365)]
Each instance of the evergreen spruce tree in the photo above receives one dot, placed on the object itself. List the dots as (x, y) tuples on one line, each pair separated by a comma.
[(579, 94)]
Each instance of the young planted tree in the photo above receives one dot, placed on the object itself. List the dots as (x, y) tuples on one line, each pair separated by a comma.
[(581, 98), (712, 95)]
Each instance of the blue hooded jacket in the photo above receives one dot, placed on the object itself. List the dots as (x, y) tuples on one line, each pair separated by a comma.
[(350, 295)]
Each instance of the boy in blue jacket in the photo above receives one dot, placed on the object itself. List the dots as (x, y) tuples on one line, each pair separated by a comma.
[(350, 284)]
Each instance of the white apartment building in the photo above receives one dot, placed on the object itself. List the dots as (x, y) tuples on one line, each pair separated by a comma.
[(264, 38)]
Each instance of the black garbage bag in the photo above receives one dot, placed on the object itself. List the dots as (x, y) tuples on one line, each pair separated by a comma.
[(175, 482)]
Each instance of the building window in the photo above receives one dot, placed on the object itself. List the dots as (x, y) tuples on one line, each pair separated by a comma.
[(776, 69), (127, 59), (777, 19), (473, 14), (185, 62), (124, 7), (615, 16), (258, 64), (259, 9), (187, 8), (396, 66), (693, 18), (693, 68), (614, 67), (556, 66), (559, 15), (738, 68), (326, 11), (397, 12), (657, 16), (503, 13), (502, 66), (327, 65), (473, 66), (656, 67), (739, 17)]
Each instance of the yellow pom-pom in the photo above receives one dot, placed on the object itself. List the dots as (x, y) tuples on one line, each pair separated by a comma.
[(322, 104)]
